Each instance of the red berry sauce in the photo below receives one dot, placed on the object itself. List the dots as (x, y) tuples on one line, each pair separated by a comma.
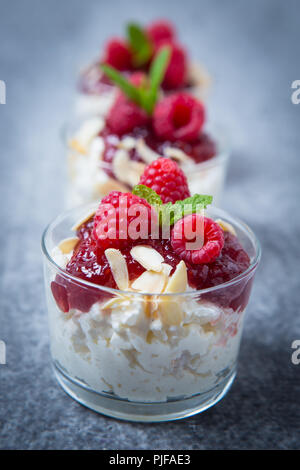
[(89, 263), (201, 150)]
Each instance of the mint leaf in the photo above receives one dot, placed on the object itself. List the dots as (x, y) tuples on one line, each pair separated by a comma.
[(156, 75), (147, 193), (171, 213), (140, 44), (145, 95), (125, 85), (159, 66)]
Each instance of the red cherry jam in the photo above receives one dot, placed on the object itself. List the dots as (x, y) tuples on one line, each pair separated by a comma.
[(89, 263)]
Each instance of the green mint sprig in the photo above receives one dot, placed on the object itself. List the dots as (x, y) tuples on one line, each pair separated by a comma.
[(170, 213), (148, 194), (140, 45), (146, 94)]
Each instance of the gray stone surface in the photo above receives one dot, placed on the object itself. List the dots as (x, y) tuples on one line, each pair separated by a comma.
[(252, 49)]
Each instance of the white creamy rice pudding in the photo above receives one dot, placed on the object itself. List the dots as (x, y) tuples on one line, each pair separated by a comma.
[(117, 347)]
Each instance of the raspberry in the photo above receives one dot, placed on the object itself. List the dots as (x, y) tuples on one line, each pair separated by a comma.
[(213, 239), (116, 222), (161, 30), (166, 178), (117, 54), (125, 115), (176, 72), (178, 117)]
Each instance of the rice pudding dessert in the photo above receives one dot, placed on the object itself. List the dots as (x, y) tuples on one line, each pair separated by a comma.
[(106, 154), (146, 299), (136, 52)]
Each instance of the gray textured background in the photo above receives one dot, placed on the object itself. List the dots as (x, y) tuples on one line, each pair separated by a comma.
[(251, 49)]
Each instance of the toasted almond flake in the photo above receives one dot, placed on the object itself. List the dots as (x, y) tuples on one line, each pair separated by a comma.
[(128, 143), (110, 185), (126, 170), (145, 152), (75, 145), (118, 267), (226, 226), (148, 257), (88, 131), (199, 76), (151, 282), (121, 164), (172, 152), (136, 169), (114, 302), (166, 268), (170, 311), (84, 219), (67, 245), (178, 281)]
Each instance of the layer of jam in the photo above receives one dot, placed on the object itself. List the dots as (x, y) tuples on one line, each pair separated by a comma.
[(200, 150), (89, 262)]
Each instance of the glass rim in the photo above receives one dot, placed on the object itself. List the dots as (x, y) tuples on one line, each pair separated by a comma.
[(214, 130), (123, 293)]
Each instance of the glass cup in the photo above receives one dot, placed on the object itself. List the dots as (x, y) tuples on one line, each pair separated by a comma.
[(90, 178), (140, 356)]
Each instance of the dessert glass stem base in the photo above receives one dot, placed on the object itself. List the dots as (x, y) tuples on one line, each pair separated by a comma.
[(142, 412)]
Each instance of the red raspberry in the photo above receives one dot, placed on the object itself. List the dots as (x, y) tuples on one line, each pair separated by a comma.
[(212, 241), (166, 178), (161, 30), (117, 54), (125, 115), (176, 72), (114, 222), (179, 116)]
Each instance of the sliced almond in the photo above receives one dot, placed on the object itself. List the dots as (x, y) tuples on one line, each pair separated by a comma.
[(121, 165), (145, 152), (166, 268), (111, 303), (67, 245), (88, 131), (84, 219), (128, 143), (151, 282), (178, 281), (226, 226), (170, 311), (74, 144), (118, 267), (136, 169), (110, 185), (199, 76), (148, 257), (172, 152)]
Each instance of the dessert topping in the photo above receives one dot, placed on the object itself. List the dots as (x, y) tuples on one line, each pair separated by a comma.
[(210, 239), (115, 214), (166, 178), (117, 54), (68, 244), (179, 116), (226, 226), (150, 282), (176, 73), (178, 281), (161, 30), (118, 267), (148, 257)]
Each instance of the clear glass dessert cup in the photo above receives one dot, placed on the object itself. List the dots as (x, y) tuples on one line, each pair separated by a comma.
[(90, 178), (140, 356)]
